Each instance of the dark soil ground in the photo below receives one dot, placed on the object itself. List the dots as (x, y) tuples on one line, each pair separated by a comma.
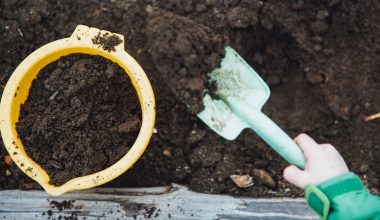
[(185, 51), (82, 115), (320, 58)]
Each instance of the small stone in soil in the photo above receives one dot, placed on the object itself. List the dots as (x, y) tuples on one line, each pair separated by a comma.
[(314, 78), (364, 167), (8, 173)]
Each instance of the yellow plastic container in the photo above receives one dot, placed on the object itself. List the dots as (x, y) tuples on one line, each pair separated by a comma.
[(17, 89)]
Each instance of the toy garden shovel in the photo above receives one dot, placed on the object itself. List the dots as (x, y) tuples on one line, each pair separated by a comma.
[(242, 94)]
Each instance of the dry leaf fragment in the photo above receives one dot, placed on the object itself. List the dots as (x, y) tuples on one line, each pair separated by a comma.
[(264, 177), (242, 181), (8, 160)]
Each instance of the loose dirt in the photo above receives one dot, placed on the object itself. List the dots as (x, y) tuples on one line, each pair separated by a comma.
[(81, 116), (320, 59)]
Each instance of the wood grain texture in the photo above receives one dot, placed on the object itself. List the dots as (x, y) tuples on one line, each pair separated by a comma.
[(169, 202)]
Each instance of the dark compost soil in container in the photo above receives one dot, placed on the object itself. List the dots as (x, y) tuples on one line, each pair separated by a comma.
[(320, 59), (81, 116)]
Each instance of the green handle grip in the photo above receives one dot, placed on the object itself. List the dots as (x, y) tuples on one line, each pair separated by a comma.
[(271, 133)]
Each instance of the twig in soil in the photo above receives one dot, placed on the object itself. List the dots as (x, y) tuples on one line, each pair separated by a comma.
[(372, 117), (20, 32)]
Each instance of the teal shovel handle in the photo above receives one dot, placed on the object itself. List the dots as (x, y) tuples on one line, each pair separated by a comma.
[(273, 135)]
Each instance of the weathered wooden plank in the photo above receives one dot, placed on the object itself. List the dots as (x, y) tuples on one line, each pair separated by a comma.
[(175, 202)]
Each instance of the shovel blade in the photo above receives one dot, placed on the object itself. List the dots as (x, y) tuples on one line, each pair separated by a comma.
[(219, 117), (237, 81)]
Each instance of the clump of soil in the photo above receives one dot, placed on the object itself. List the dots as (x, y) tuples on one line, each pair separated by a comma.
[(81, 116), (64, 207), (65, 204), (184, 52), (107, 41)]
